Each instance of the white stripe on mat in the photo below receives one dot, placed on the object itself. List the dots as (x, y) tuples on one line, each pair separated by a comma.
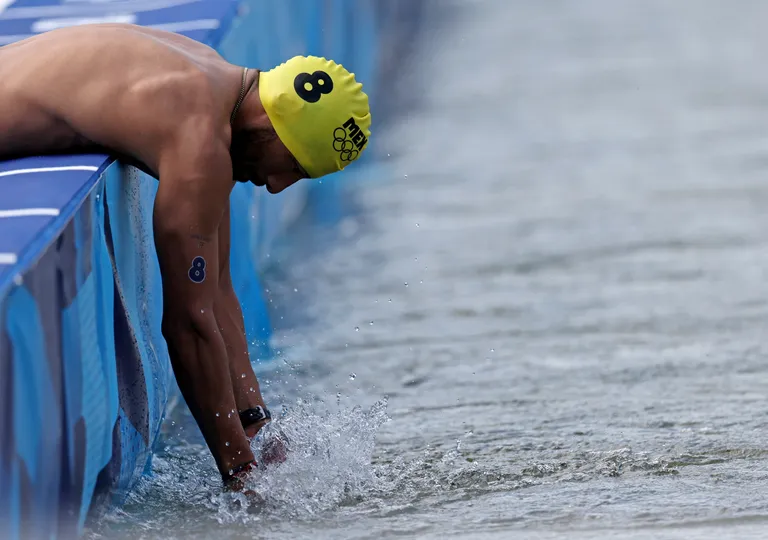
[(187, 26), (177, 27), (50, 169), (27, 212), (71, 9), (46, 25), (8, 258)]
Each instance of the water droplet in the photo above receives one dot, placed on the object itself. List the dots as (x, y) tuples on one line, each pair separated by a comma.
[(406, 283), (417, 225), (252, 389), (295, 289), (226, 443), (421, 281), (388, 155), (357, 328), (239, 452), (390, 300), (217, 415), (338, 395), (202, 311), (352, 376), (229, 415), (231, 472), (371, 323), (405, 176), (346, 345), (242, 376)]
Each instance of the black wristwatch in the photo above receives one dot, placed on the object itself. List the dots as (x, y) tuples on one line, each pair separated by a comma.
[(249, 417)]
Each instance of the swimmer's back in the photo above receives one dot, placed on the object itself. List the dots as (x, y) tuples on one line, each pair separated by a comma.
[(120, 87)]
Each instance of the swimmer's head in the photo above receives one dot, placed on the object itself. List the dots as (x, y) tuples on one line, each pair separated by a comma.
[(311, 118), (319, 112)]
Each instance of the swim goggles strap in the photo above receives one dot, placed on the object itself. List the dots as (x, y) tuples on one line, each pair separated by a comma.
[(254, 415)]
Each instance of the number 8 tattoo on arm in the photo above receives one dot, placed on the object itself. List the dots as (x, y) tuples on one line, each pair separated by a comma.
[(197, 270)]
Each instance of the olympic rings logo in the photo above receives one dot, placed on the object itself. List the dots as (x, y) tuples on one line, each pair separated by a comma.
[(344, 146)]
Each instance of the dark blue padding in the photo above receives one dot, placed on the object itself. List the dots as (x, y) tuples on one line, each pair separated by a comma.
[(40, 184)]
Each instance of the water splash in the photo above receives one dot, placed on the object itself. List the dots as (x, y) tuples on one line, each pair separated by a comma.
[(329, 461)]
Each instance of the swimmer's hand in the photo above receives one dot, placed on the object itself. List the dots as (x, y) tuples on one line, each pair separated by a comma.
[(274, 451), (235, 479), (274, 445)]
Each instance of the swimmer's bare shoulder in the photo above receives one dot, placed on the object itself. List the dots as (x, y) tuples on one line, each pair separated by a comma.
[(129, 90), (158, 99)]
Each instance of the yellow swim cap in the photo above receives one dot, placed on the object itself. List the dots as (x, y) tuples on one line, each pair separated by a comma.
[(318, 110)]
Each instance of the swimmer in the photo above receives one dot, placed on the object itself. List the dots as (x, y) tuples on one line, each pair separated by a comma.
[(174, 108)]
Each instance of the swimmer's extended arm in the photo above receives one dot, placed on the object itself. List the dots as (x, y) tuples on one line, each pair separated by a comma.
[(195, 183), (229, 316)]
